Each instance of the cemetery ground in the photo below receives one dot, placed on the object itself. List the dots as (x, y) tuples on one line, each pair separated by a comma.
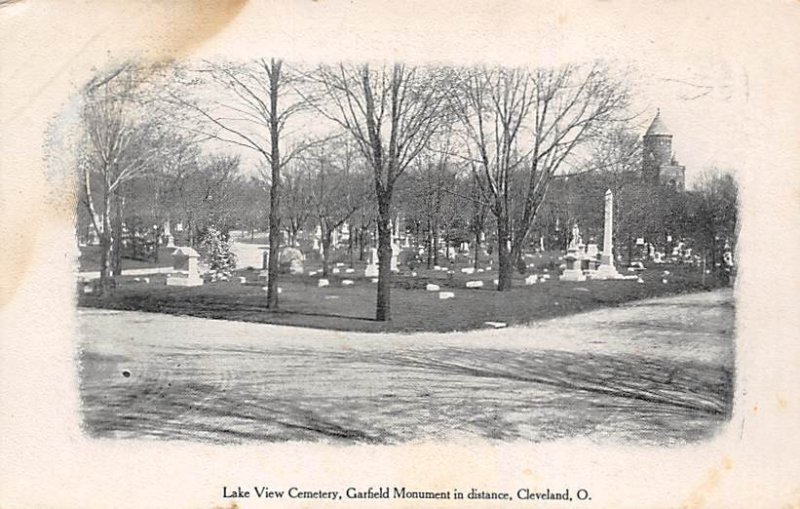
[(656, 371), (352, 307)]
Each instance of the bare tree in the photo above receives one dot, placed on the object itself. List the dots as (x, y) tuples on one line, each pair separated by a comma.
[(117, 147), (253, 115), (335, 189), (520, 127), (391, 112)]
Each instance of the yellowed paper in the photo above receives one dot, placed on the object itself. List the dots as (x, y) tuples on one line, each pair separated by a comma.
[(745, 53)]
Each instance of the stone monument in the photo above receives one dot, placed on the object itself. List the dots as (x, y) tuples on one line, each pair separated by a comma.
[(572, 271), (185, 264), (168, 238), (372, 267), (606, 270)]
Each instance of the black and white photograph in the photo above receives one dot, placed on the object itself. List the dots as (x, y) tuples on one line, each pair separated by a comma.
[(414, 208), (349, 263)]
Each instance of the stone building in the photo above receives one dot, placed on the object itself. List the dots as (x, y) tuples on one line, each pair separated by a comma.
[(659, 165)]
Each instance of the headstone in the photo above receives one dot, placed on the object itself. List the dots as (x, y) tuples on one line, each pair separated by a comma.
[(241, 280), (349, 271), (347, 282), (496, 325), (446, 295), (395, 253), (531, 280), (292, 258), (431, 287), (374, 280), (474, 284), (322, 283), (372, 266), (335, 270), (468, 270), (185, 265)]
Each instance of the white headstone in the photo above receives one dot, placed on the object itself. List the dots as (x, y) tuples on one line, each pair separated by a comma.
[(446, 295), (432, 288), (474, 284), (347, 282), (322, 283)]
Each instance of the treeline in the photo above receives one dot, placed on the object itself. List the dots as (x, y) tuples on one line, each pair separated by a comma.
[(461, 152)]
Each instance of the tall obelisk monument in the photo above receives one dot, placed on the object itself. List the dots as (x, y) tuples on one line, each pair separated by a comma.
[(606, 270)]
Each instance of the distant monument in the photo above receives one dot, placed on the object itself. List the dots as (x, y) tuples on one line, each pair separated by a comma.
[(659, 165), (606, 270)]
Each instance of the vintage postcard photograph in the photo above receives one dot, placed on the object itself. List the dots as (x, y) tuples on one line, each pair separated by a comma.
[(338, 267)]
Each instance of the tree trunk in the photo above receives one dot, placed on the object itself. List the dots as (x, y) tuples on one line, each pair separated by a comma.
[(326, 251), (505, 265), (383, 306), (106, 251), (429, 245), (435, 242), (274, 191), (116, 231), (476, 261)]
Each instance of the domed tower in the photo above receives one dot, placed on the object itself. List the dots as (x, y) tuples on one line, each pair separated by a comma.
[(656, 149)]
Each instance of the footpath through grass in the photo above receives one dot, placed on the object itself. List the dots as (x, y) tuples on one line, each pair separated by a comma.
[(352, 308)]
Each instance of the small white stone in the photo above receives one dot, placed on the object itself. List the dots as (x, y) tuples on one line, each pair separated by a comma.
[(432, 288), (146, 280), (474, 284), (530, 280), (468, 270), (347, 282), (496, 282), (640, 280), (413, 274), (322, 283), (374, 280), (496, 325), (335, 270), (446, 295), (664, 281), (349, 271)]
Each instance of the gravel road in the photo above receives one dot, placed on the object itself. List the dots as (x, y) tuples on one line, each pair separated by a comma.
[(651, 372)]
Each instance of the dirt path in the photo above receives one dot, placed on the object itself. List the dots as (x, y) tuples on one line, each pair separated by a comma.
[(657, 371)]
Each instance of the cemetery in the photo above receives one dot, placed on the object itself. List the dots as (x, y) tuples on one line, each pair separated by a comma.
[(198, 233), (531, 268), (437, 299)]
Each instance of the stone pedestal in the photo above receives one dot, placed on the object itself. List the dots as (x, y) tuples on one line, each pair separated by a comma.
[(187, 272), (573, 271)]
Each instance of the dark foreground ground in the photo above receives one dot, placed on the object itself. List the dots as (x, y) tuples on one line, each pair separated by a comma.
[(658, 371), (352, 308)]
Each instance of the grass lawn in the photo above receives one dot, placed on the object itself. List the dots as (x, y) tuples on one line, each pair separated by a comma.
[(90, 259), (352, 308)]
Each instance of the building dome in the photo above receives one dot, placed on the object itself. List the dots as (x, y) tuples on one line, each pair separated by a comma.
[(657, 127)]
